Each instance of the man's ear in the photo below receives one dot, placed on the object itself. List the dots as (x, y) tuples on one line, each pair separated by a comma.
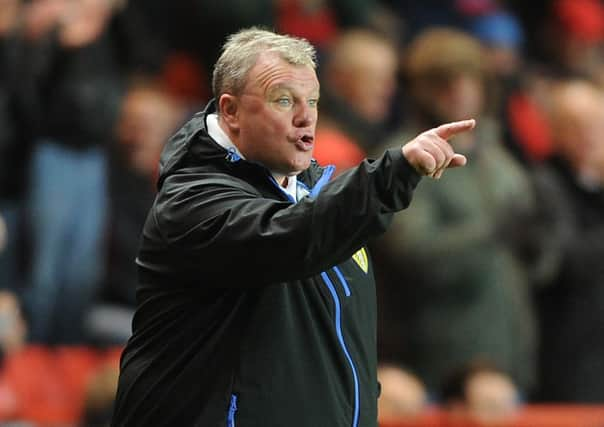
[(229, 111)]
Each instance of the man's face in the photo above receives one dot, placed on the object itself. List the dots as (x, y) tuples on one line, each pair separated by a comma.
[(277, 115), (491, 397), (578, 127), (369, 82), (147, 119), (461, 97)]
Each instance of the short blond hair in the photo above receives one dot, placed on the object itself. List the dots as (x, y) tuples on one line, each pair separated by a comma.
[(444, 53), (241, 50)]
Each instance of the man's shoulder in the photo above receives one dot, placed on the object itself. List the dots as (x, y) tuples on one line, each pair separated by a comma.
[(206, 177)]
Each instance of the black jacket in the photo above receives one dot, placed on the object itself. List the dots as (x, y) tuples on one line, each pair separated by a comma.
[(254, 310), (571, 308), (14, 128)]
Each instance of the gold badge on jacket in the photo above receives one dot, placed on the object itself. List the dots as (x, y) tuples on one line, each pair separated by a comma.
[(360, 257)]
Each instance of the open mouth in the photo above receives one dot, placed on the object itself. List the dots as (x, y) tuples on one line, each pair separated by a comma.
[(305, 142), (307, 139)]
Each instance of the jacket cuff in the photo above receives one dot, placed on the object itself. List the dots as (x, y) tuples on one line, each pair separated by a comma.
[(403, 170)]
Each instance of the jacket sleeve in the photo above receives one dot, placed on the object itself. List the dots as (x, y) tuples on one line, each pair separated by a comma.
[(221, 231)]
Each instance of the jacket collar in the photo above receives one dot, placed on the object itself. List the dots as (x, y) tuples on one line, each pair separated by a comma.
[(192, 146)]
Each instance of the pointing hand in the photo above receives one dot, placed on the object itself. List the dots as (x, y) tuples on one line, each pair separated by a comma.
[(430, 152)]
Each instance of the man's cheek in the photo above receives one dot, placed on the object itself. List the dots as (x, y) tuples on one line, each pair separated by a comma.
[(277, 128)]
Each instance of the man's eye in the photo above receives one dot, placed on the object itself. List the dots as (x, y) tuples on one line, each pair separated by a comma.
[(284, 102), (313, 102)]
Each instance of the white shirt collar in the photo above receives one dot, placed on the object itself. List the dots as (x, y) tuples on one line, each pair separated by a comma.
[(220, 136)]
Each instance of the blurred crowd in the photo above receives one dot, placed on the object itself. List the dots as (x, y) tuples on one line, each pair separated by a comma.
[(491, 285)]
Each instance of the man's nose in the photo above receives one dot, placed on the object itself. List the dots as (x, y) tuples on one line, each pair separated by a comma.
[(304, 115)]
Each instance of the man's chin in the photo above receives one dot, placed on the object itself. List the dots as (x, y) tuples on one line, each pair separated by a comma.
[(302, 166)]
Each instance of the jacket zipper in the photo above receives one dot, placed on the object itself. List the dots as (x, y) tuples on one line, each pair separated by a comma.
[(338, 325), (324, 179), (232, 410)]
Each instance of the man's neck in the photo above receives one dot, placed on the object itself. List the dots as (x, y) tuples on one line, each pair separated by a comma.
[(282, 180)]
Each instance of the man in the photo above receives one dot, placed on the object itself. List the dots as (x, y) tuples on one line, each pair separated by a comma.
[(479, 393), (476, 299), (403, 395), (76, 73), (14, 146), (256, 302), (571, 189)]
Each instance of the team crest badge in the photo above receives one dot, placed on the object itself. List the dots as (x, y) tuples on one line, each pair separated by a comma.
[(360, 257)]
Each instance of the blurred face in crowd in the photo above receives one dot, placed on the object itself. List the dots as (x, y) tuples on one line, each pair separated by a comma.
[(503, 61), (9, 10), (578, 125), (80, 21), (458, 97), (40, 16), (147, 119), (577, 55), (402, 395), (84, 21), (273, 120), (490, 398), (363, 73)]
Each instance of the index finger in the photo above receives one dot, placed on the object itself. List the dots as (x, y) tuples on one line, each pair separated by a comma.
[(449, 130)]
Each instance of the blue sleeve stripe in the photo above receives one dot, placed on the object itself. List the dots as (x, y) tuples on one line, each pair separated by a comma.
[(343, 280), (325, 177)]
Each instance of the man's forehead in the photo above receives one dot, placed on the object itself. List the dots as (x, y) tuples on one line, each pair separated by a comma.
[(272, 72)]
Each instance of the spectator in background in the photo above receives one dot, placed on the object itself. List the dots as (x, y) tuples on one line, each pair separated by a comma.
[(148, 116), (418, 16), (84, 57), (480, 394), (13, 143), (567, 40), (403, 396), (13, 327), (502, 37), (319, 21), (516, 85), (41, 385), (571, 187), (475, 300), (360, 81), (100, 394), (573, 37)]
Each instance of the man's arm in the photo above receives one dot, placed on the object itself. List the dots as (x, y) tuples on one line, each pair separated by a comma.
[(221, 231)]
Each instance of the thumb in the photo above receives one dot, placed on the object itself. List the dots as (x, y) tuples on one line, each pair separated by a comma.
[(458, 160)]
